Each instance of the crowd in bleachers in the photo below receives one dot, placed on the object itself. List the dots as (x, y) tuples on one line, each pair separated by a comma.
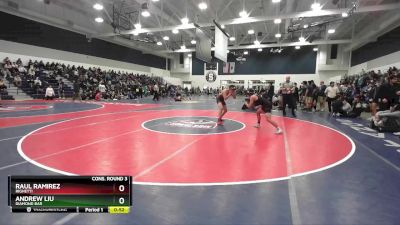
[(381, 92), (375, 92), (46, 80), (87, 82), (375, 88)]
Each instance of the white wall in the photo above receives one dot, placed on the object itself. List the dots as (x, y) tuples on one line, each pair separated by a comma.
[(177, 68), (328, 76), (382, 63), (25, 52), (358, 68)]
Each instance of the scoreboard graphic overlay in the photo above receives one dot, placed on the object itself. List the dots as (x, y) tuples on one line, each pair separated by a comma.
[(75, 194)]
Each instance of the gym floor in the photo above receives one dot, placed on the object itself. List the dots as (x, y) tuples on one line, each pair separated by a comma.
[(187, 170)]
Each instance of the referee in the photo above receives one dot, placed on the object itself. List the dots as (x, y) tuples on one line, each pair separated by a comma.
[(287, 90)]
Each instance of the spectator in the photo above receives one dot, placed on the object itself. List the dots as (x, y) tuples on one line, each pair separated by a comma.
[(37, 82), (331, 92), (3, 86), (388, 120), (156, 91), (321, 96), (6, 60), (296, 94), (21, 69), (386, 95), (98, 96), (61, 89), (17, 81), (271, 90), (310, 95), (302, 94), (357, 108), (31, 71), (49, 93), (102, 89), (77, 91), (346, 107)]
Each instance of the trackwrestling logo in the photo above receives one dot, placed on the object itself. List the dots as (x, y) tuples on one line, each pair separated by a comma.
[(197, 123)]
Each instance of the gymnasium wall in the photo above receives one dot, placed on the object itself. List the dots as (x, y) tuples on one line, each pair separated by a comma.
[(24, 31), (323, 67), (26, 52), (381, 63), (381, 54), (290, 61)]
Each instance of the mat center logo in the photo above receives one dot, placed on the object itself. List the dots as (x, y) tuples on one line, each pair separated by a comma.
[(199, 124), (196, 125)]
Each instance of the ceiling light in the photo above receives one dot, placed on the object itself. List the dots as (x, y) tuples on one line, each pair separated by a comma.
[(250, 31), (316, 6), (99, 20), (302, 39), (256, 42), (202, 5), (145, 10), (159, 43), (175, 31), (297, 47), (183, 47), (155, 0), (98, 6), (185, 20), (345, 14), (305, 26), (243, 14), (260, 49), (246, 52), (276, 1), (190, 55), (232, 38), (315, 49), (278, 35), (145, 13), (166, 38), (138, 26), (331, 31), (223, 26), (193, 42), (277, 21)]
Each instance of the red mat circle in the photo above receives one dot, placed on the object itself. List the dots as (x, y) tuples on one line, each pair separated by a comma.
[(115, 145)]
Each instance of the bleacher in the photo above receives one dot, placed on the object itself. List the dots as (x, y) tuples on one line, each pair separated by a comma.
[(46, 77), (118, 84), (4, 95), (39, 92)]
